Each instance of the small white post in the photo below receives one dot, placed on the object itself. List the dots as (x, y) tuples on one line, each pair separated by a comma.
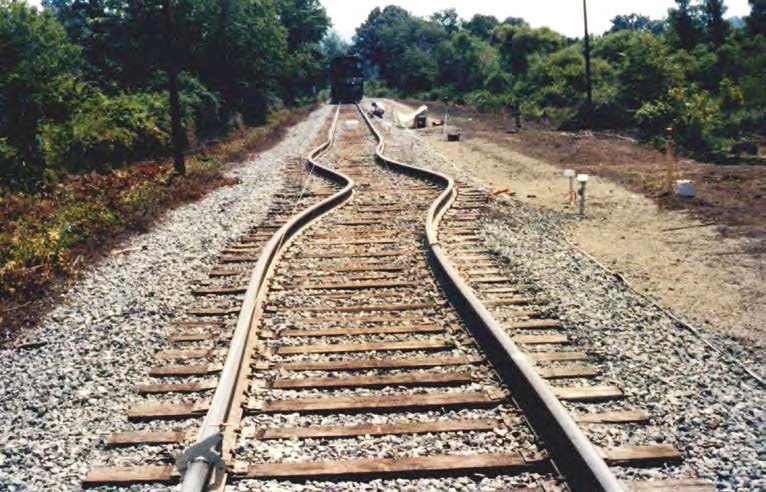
[(570, 173)]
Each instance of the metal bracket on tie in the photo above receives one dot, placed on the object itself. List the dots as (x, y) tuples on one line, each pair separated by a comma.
[(204, 451)]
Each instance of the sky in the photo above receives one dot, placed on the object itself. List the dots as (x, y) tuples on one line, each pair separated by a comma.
[(564, 16)]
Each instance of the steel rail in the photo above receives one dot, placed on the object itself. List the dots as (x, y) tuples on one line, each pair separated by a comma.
[(197, 474), (571, 450)]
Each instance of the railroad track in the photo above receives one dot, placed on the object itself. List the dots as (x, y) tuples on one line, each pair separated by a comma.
[(357, 350)]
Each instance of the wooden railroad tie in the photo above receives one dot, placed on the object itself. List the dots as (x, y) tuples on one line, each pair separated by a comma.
[(424, 465), (378, 363), (404, 379), (376, 330), (375, 403), (337, 431), (365, 347)]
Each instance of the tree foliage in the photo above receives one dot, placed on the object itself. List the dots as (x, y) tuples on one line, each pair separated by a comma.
[(83, 81), (693, 70)]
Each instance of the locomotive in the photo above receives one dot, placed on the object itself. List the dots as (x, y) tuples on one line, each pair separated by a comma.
[(346, 79)]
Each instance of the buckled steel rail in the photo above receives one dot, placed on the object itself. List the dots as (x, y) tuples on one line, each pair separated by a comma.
[(572, 452)]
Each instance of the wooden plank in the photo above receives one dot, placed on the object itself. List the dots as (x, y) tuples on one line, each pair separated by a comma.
[(669, 485), (390, 402), (536, 324), (517, 313), (359, 242), (193, 387), (556, 356), (365, 319), (350, 255), (196, 337), (540, 339), (392, 466), (617, 417), (364, 347), (567, 372), (587, 393), (483, 271), (635, 455), (379, 363), (223, 272), (500, 290), (404, 379), (380, 429), (372, 267), (490, 280), (167, 410), (147, 437), (219, 291), (359, 222), (188, 353), (199, 324), (227, 259), (360, 308), (185, 370), (375, 330), (383, 284), (130, 475), (214, 311), (516, 301), (345, 234), (349, 277)]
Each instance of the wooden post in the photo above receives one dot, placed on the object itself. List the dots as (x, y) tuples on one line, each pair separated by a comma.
[(589, 102), (177, 132), (669, 160)]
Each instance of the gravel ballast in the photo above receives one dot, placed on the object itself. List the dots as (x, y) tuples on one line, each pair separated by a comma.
[(699, 401), (58, 400)]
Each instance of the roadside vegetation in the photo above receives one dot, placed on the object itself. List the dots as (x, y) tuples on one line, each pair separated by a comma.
[(694, 70), (86, 117)]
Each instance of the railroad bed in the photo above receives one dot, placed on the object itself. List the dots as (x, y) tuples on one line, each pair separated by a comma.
[(358, 365)]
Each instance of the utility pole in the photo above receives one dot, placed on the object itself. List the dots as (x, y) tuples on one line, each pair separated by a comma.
[(589, 108), (179, 166)]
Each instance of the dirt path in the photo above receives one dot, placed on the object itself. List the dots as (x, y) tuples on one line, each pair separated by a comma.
[(679, 260)]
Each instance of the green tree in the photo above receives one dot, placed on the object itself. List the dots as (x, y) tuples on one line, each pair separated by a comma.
[(756, 21), (636, 22), (305, 66), (517, 43), (649, 71), (715, 25), (685, 24), (418, 70), (465, 62), (37, 61), (481, 26), (448, 19)]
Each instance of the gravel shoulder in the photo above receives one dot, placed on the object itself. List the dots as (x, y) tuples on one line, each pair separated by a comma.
[(58, 398), (700, 402)]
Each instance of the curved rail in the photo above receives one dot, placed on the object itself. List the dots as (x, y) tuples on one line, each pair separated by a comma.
[(572, 452), (197, 474)]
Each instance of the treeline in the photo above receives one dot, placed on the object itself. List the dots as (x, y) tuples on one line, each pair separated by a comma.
[(694, 70), (84, 84)]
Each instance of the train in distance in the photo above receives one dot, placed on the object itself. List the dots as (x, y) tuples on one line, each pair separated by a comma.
[(346, 80)]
